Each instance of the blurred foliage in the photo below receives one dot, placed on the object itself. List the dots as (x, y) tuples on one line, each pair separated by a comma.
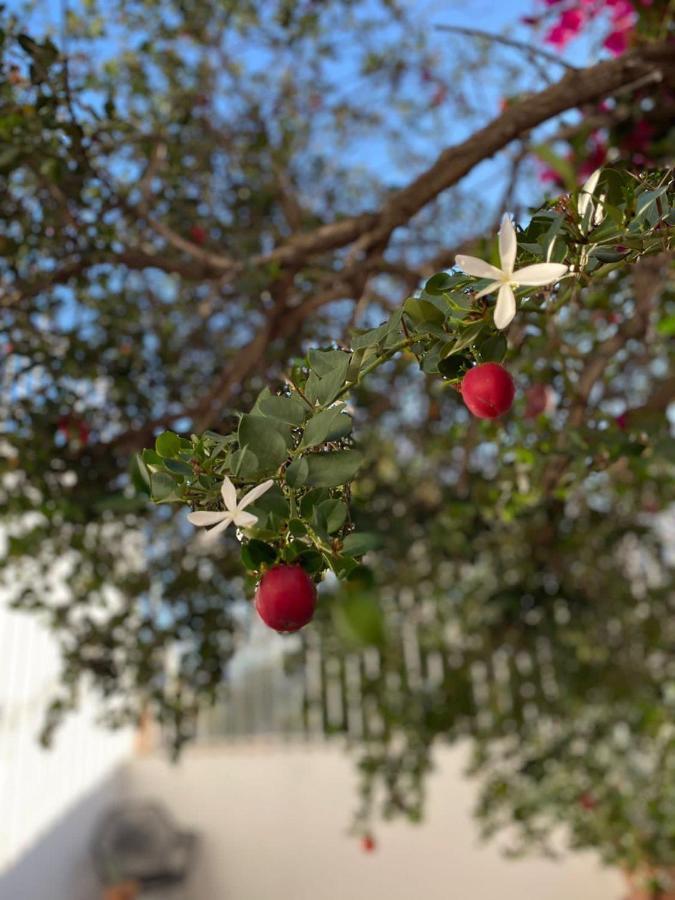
[(153, 154)]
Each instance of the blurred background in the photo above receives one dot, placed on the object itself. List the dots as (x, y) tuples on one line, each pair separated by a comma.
[(195, 192)]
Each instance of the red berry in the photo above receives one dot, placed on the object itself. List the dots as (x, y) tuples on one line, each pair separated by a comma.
[(587, 801), (368, 843), (198, 234), (488, 390), (286, 598), (540, 398)]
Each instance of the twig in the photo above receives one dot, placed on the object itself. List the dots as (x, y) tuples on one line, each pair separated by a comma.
[(529, 49)]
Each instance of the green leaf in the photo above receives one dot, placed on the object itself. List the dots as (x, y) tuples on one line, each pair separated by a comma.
[(646, 203), (272, 503), (263, 437), (333, 469), (423, 312), (343, 566), (255, 554), (324, 389), (243, 463), (332, 514), (164, 488), (312, 499), (297, 472), (467, 337), (297, 528), (168, 444), (311, 561), (327, 425), (667, 326), (442, 283), (454, 366), (360, 542), (140, 475), (325, 361), (492, 348), (370, 338), (291, 410), (46, 54), (358, 619), (178, 467)]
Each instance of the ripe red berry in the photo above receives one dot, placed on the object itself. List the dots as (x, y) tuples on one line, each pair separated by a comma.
[(488, 390), (198, 234), (539, 398), (587, 801), (368, 843), (286, 598)]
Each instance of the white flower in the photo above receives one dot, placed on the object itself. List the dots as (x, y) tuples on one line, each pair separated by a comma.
[(585, 203), (505, 279), (233, 514)]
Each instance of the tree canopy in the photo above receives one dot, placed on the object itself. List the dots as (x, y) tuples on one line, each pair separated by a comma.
[(236, 243)]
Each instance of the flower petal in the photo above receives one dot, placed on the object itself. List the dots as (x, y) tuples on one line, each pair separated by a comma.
[(223, 526), (206, 518), (505, 309), (229, 492), (539, 274), (478, 267), (489, 289), (507, 244), (254, 493), (244, 519), (585, 194), (599, 213)]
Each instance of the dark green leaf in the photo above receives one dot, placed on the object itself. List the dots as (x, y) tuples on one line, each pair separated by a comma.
[(360, 542), (291, 410), (297, 472), (167, 444), (333, 469), (255, 554), (327, 425)]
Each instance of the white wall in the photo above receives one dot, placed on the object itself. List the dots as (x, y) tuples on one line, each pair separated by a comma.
[(274, 821), (39, 788)]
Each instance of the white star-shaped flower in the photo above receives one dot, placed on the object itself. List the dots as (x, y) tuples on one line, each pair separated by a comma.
[(233, 514), (505, 279)]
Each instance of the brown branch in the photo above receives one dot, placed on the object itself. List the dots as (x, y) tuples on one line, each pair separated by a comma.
[(370, 229)]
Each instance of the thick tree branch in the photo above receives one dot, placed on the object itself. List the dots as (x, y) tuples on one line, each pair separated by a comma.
[(365, 231)]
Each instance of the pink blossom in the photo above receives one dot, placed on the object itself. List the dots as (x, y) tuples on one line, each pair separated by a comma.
[(617, 42), (572, 19), (558, 37), (567, 28), (641, 136)]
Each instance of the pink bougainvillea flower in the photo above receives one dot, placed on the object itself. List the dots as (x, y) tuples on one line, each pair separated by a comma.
[(617, 42), (568, 26), (547, 175), (557, 37), (640, 137), (573, 20)]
